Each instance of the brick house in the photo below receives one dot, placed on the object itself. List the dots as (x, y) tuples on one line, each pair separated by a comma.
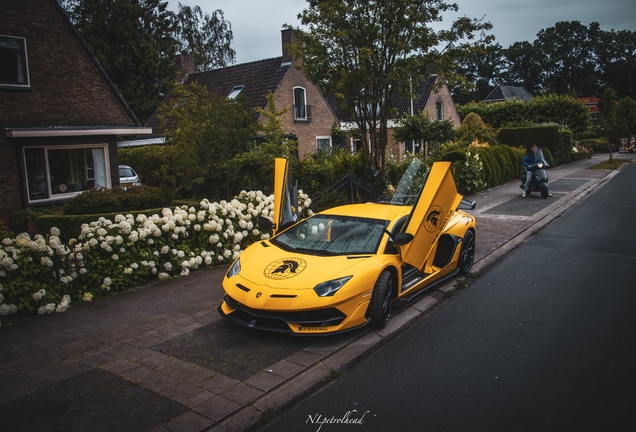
[(431, 97), (309, 116), (59, 112), (593, 104)]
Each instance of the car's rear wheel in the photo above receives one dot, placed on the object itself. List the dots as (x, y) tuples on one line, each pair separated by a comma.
[(381, 300), (467, 253)]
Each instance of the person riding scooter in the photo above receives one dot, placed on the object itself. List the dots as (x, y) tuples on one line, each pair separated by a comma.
[(534, 161)]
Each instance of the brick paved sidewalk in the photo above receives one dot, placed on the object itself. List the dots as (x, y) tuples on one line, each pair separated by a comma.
[(161, 358)]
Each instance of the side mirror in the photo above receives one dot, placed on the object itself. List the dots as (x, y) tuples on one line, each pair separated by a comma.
[(265, 223), (401, 239), (464, 204)]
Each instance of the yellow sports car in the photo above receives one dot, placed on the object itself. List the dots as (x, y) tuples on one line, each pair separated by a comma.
[(345, 267)]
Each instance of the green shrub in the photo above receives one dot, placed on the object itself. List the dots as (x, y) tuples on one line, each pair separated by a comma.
[(562, 151), (547, 155), (99, 201), (467, 172), (22, 217), (595, 143)]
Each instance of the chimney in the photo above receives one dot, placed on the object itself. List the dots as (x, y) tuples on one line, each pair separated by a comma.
[(183, 66), (288, 38)]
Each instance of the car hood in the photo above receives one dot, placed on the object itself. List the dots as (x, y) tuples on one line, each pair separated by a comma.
[(265, 264)]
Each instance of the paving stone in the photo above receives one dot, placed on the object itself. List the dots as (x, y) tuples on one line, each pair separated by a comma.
[(242, 394), (181, 391), (216, 408), (188, 422), (285, 369), (264, 380), (219, 383)]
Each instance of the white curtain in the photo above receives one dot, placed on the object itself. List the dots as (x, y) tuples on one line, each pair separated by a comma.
[(99, 168)]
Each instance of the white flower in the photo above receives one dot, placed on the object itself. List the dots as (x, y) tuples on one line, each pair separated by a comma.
[(7, 309), (87, 297), (38, 295), (55, 231), (107, 281), (168, 266)]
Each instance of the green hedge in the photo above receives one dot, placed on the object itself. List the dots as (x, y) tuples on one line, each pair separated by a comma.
[(478, 168), (557, 142)]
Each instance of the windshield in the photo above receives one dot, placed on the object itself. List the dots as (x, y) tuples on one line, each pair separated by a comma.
[(126, 172), (333, 235), (410, 185)]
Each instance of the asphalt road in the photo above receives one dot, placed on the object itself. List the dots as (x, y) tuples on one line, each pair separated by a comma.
[(545, 341)]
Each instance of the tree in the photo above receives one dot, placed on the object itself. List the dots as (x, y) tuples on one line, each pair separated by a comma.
[(616, 56), (135, 41), (203, 132), (568, 64), (128, 38), (626, 113), (523, 66), (420, 127), (206, 37), (366, 54), (482, 70), (566, 111)]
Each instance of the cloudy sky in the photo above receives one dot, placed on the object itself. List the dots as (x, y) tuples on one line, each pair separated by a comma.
[(256, 24)]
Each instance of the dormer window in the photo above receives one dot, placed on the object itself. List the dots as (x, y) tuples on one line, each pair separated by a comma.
[(14, 68), (235, 92)]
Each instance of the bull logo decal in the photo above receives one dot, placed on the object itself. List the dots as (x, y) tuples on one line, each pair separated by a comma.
[(285, 268), (431, 222), (288, 265)]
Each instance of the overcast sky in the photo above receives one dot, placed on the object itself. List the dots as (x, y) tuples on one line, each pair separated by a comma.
[(256, 24)]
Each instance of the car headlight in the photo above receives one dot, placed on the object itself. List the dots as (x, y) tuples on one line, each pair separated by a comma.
[(327, 289), (235, 269)]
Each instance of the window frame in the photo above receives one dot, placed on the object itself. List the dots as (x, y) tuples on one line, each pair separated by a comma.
[(439, 110), (300, 114), (67, 194), (23, 62), (236, 90), (323, 137)]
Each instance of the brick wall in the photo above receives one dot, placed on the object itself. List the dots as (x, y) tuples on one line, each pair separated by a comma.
[(66, 89), (321, 115)]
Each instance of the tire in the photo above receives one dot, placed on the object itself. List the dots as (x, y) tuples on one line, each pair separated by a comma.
[(381, 300), (467, 253), (544, 192)]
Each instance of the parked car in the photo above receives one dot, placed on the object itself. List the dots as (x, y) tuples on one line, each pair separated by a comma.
[(128, 177), (345, 267)]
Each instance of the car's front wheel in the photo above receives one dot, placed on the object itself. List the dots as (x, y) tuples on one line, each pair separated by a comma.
[(467, 253), (381, 300)]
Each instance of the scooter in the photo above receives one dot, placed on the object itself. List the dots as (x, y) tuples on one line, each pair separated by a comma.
[(538, 182)]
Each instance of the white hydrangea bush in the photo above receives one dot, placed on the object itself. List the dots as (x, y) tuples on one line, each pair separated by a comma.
[(42, 275)]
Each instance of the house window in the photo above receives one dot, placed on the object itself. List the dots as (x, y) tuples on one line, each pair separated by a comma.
[(54, 173), (14, 70), (323, 143), (235, 92), (300, 104), (439, 108)]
